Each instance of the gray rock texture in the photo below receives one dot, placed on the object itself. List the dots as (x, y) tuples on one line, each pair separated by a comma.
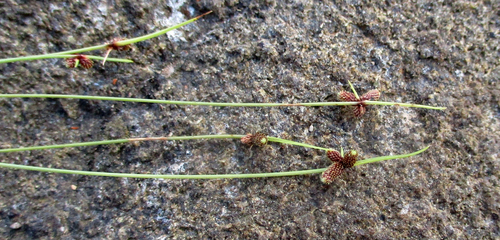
[(441, 53)]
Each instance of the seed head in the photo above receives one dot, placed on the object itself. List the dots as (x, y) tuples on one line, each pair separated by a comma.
[(81, 60), (331, 173), (359, 109), (340, 163), (372, 94), (347, 96), (350, 159)]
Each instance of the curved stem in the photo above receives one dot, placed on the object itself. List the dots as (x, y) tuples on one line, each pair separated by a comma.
[(80, 144), (102, 46), (173, 138), (211, 176), (164, 176), (216, 104), (158, 33), (51, 55), (123, 60), (383, 158)]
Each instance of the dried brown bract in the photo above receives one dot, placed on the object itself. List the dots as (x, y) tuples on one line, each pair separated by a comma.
[(113, 45), (259, 139)]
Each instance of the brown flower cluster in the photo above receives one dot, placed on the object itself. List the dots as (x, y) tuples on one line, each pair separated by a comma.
[(79, 60), (359, 109), (340, 163)]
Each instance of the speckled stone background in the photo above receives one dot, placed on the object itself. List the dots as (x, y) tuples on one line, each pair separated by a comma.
[(442, 53)]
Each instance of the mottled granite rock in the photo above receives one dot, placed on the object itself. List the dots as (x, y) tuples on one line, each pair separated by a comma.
[(443, 54)]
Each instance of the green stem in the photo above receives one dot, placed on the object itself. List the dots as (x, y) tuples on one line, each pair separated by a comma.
[(51, 55), (88, 56), (383, 158), (173, 138), (215, 104), (164, 176), (402, 105), (353, 90), (212, 176), (284, 141), (102, 46), (80, 144), (158, 33), (123, 60)]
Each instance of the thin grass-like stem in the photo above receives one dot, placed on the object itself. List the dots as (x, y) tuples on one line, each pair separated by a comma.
[(284, 141), (173, 138), (384, 158), (158, 33), (37, 57), (216, 104), (102, 46), (51, 55), (353, 90), (164, 176), (211, 176), (122, 60)]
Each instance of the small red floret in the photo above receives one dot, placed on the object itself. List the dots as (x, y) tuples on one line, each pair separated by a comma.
[(340, 163), (81, 59)]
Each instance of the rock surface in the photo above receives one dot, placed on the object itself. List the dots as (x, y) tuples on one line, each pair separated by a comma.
[(441, 54)]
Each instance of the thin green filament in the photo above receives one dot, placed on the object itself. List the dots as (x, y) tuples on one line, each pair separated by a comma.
[(102, 46), (211, 176), (216, 104), (169, 176)]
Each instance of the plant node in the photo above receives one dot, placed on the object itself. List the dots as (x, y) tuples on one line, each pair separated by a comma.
[(114, 46), (259, 139)]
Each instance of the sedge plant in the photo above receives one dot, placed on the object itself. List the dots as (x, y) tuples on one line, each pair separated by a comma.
[(359, 104), (340, 160), (74, 57)]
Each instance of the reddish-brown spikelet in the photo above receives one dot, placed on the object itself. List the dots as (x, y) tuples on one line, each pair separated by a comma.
[(332, 172), (339, 164), (360, 109), (70, 62), (334, 156), (247, 139), (259, 139), (350, 159), (347, 96), (83, 61), (372, 94)]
